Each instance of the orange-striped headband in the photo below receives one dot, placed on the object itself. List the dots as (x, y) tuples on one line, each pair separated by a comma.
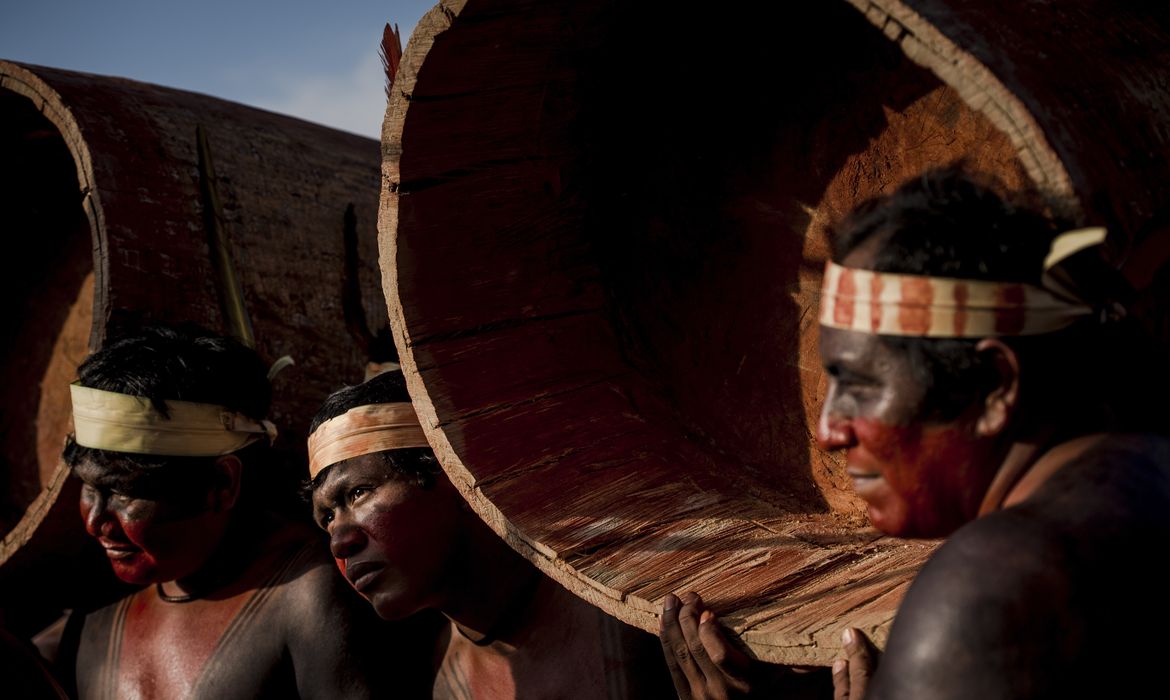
[(364, 430), (939, 307)]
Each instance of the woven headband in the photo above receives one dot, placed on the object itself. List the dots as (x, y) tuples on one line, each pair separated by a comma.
[(940, 307), (364, 430), (107, 420)]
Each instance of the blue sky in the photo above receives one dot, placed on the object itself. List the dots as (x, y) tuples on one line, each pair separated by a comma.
[(314, 60)]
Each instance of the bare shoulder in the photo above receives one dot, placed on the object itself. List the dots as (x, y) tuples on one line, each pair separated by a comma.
[(1108, 507), (311, 583), (1050, 597), (1130, 468), (980, 617), (338, 646)]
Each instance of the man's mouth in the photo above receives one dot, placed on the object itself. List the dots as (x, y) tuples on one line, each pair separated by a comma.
[(118, 550), (361, 574), (864, 480)]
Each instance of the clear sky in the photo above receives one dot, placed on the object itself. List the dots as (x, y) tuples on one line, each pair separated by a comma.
[(317, 60)]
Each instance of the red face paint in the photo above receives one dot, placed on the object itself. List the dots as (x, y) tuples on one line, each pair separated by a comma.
[(919, 477), (918, 480), (146, 541)]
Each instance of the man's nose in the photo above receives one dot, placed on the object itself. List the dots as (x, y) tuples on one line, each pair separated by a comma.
[(346, 540), (97, 517), (834, 432)]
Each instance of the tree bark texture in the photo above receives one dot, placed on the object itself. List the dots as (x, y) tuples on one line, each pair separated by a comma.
[(107, 221)]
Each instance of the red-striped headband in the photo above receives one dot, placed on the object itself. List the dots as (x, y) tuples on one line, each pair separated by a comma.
[(939, 307)]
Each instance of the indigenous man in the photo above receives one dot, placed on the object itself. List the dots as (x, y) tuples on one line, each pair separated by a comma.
[(407, 541), (169, 442), (967, 383)]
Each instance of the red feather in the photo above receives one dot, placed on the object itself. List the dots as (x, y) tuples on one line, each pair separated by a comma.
[(391, 53)]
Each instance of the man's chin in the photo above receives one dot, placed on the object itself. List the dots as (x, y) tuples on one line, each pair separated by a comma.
[(902, 526), (892, 524), (391, 607), (134, 576), (138, 570)]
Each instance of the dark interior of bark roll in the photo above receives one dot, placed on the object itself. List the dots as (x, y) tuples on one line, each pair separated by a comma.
[(46, 560), (47, 280), (650, 194)]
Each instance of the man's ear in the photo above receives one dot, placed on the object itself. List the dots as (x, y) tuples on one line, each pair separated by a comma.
[(225, 492), (1000, 404)]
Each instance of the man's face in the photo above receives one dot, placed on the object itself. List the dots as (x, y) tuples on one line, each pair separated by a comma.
[(396, 542), (920, 478), (147, 539)]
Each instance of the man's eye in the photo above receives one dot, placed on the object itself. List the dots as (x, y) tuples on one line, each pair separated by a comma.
[(357, 492), (853, 381), (90, 491), (857, 385), (324, 520), (119, 499)]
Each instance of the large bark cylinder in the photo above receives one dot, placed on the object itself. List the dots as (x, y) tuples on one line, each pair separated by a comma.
[(602, 231), (104, 196)]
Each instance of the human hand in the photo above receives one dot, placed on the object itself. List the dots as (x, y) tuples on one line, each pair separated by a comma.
[(703, 664), (851, 674)]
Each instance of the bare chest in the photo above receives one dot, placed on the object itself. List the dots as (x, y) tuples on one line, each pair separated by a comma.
[(145, 647), (560, 667)]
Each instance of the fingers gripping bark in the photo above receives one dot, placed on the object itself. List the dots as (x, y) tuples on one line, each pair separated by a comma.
[(851, 674), (703, 664), (683, 670)]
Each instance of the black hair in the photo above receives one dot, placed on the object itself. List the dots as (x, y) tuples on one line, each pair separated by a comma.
[(180, 363), (952, 223), (414, 464)]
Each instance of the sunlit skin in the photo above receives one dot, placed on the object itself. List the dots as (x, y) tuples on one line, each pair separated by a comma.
[(240, 624), (405, 548), (393, 540), (147, 540)]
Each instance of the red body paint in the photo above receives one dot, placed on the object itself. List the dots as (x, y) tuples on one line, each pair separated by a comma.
[(165, 646), (918, 480)]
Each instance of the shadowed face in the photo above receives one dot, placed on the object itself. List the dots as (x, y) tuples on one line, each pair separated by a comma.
[(147, 540), (396, 542)]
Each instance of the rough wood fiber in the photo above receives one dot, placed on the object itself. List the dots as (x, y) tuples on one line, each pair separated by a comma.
[(602, 233), (103, 183)]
